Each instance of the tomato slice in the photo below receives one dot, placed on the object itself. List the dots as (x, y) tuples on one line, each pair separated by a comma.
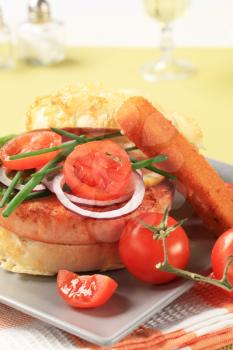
[(32, 141), (99, 170), (85, 291)]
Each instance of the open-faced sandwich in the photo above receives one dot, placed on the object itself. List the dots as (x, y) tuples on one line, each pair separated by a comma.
[(92, 163), (40, 232)]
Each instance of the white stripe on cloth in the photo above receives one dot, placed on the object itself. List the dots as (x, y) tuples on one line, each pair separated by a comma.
[(193, 323), (218, 324), (37, 336)]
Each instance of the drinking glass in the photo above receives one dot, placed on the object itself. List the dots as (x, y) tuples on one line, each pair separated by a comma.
[(167, 67)]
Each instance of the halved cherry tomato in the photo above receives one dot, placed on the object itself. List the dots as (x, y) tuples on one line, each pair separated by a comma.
[(99, 170), (29, 142), (140, 253), (222, 249), (85, 291)]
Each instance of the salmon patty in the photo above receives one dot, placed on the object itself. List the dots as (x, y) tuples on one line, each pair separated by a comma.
[(46, 220)]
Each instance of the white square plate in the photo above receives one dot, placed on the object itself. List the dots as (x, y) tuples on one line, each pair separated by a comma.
[(133, 304)]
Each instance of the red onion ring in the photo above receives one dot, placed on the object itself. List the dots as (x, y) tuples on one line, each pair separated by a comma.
[(5, 180), (96, 203), (91, 202), (130, 206)]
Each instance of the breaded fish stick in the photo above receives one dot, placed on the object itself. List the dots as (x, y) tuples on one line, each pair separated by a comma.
[(202, 186)]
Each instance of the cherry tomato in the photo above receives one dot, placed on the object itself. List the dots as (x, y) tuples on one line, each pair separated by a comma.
[(85, 291), (140, 253), (99, 170), (29, 142), (222, 249)]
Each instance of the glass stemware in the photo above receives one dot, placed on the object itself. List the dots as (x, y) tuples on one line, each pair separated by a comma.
[(6, 47), (167, 67)]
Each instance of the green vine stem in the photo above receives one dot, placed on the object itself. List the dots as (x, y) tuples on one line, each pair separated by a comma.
[(223, 283), (5, 139), (162, 231)]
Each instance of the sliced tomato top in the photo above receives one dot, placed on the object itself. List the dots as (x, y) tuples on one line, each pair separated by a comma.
[(99, 170), (85, 291), (32, 141)]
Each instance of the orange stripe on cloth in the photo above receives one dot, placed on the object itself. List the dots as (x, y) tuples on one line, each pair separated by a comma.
[(213, 341), (10, 318), (144, 339), (214, 296)]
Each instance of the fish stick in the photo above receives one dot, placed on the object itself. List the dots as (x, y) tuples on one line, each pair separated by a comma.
[(203, 188)]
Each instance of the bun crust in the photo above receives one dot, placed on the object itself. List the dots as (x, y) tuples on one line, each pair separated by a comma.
[(92, 106), (77, 106), (38, 258)]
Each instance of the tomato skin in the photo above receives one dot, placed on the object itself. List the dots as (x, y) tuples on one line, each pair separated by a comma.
[(98, 289), (223, 248), (99, 170), (140, 253), (28, 142)]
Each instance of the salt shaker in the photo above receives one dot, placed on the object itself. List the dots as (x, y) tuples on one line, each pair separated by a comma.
[(6, 49), (41, 38)]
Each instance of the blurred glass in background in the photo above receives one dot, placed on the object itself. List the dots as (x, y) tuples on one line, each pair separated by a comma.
[(6, 48), (41, 39), (167, 67)]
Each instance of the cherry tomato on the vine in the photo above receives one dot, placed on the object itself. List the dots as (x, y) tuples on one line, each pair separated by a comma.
[(222, 250), (140, 252)]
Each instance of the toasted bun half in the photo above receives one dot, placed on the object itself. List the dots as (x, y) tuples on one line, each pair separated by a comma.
[(39, 258), (92, 106)]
